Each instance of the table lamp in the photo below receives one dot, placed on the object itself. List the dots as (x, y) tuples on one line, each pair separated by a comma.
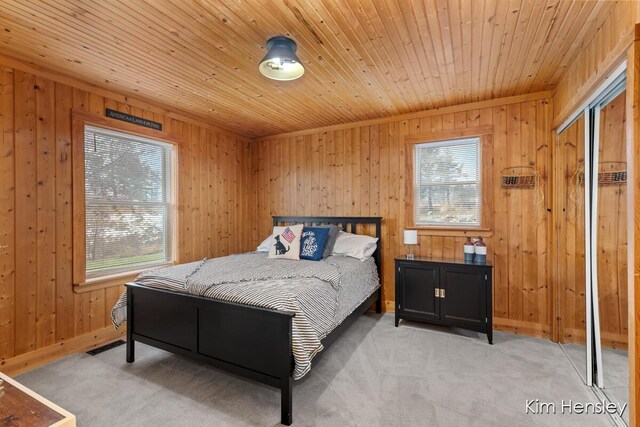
[(410, 238)]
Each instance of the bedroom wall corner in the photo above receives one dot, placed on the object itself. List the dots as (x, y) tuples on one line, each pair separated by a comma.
[(358, 169), (596, 58)]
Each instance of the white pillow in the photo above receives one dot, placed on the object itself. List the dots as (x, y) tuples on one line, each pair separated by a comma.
[(286, 242), (354, 245), (266, 244)]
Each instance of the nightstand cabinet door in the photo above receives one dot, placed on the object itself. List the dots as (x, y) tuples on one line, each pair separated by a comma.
[(417, 290), (465, 296)]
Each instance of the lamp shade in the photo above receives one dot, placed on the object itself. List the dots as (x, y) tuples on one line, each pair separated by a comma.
[(281, 61), (410, 237)]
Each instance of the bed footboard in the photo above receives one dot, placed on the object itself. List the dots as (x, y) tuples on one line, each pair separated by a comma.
[(249, 341)]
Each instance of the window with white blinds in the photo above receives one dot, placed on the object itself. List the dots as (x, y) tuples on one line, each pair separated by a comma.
[(129, 202), (447, 183)]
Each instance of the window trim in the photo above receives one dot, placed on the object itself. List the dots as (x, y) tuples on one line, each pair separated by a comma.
[(80, 119), (485, 134)]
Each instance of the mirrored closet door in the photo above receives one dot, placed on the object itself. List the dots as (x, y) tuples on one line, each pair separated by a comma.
[(571, 248), (610, 247), (592, 261)]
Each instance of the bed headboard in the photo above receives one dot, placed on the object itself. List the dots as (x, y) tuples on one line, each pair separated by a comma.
[(347, 223)]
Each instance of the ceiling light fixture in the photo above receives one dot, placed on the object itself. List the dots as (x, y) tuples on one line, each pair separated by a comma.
[(281, 61)]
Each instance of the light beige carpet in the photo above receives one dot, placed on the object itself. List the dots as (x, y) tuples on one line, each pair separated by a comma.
[(375, 374)]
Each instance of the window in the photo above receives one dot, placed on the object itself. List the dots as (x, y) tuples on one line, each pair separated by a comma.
[(128, 202), (448, 183)]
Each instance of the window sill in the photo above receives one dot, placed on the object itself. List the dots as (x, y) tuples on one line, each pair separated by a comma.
[(112, 280), (452, 231)]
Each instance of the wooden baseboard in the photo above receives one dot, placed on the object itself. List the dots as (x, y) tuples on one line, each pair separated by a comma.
[(507, 325), (522, 328), (24, 362), (608, 339), (389, 307)]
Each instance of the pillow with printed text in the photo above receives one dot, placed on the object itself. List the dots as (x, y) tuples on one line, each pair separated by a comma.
[(313, 242)]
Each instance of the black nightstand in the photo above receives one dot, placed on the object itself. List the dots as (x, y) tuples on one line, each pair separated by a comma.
[(445, 292)]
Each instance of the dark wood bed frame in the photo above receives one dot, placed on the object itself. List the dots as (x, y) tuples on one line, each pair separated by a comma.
[(249, 341)]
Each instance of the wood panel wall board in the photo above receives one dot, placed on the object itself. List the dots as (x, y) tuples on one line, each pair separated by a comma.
[(64, 214), (524, 58), (195, 232), (531, 214), (374, 179), (45, 218), (556, 209), (25, 213), (210, 199), (82, 302), (500, 218), (514, 217), (544, 207), (7, 214), (97, 312)]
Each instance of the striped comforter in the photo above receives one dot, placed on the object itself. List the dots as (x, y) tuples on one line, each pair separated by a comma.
[(310, 289)]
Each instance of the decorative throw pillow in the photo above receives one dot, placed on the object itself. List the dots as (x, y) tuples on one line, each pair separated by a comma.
[(266, 244), (313, 242), (331, 240), (355, 245), (286, 242)]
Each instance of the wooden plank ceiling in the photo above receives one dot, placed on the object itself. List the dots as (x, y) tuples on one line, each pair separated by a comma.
[(364, 58)]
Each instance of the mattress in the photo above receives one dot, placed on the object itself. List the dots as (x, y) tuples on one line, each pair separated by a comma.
[(359, 281), (321, 293)]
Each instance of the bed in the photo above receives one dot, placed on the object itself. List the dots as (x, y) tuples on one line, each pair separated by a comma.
[(254, 342)]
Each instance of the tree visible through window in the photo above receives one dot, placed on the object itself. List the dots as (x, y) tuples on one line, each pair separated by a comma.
[(128, 198), (447, 183)]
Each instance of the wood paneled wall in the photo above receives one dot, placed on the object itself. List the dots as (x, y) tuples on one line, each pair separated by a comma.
[(597, 56), (41, 315), (359, 169)]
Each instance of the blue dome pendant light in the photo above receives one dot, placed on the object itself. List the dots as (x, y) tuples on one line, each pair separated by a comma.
[(281, 62)]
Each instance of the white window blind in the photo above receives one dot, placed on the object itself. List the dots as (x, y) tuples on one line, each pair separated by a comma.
[(129, 206), (447, 183)]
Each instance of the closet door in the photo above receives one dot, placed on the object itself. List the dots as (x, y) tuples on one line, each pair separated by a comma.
[(572, 292), (610, 248), (591, 173)]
